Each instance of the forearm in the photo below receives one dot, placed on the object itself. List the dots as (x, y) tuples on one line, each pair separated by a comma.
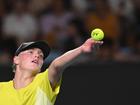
[(67, 58)]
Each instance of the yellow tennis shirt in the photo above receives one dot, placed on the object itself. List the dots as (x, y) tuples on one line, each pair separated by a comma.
[(39, 92)]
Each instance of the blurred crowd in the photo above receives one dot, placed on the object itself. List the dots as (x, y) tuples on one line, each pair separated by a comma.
[(66, 24)]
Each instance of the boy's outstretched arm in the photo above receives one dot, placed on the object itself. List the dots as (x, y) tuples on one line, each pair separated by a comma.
[(57, 67)]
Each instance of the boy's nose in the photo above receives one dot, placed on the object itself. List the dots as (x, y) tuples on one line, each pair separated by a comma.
[(36, 55)]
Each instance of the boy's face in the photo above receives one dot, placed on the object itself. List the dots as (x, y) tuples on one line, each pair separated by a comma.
[(31, 60)]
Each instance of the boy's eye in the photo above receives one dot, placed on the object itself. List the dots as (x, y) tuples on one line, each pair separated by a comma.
[(31, 51), (41, 56)]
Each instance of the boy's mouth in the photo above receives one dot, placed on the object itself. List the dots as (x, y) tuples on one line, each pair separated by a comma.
[(35, 61)]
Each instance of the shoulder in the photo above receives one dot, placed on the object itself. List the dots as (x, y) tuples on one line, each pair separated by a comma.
[(41, 75), (44, 73), (41, 80), (5, 84)]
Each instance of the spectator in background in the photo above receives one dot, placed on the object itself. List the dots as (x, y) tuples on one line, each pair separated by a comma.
[(126, 19), (103, 17), (124, 7), (74, 38), (5, 55), (54, 23), (136, 5), (19, 23), (129, 31), (2, 13), (38, 6), (80, 6)]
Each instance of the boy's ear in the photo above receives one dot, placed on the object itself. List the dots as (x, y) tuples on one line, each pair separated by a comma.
[(16, 60)]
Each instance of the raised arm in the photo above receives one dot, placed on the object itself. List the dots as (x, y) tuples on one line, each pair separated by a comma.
[(57, 67)]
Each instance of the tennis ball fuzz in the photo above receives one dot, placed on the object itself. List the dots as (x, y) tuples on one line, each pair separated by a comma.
[(97, 34)]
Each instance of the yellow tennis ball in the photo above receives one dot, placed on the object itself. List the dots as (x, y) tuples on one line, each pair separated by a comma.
[(97, 34)]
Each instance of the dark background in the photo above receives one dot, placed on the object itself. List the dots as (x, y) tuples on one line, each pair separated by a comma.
[(109, 83), (101, 84)]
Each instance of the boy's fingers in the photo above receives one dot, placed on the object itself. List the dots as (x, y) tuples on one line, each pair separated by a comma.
[(100, 42)]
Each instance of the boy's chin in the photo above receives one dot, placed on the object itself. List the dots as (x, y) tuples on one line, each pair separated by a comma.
[(35, 69)]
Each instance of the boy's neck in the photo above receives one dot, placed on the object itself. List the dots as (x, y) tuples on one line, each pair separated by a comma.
[(22, 79)]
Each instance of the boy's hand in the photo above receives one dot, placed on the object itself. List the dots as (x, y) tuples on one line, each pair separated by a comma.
[(89, 45)]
